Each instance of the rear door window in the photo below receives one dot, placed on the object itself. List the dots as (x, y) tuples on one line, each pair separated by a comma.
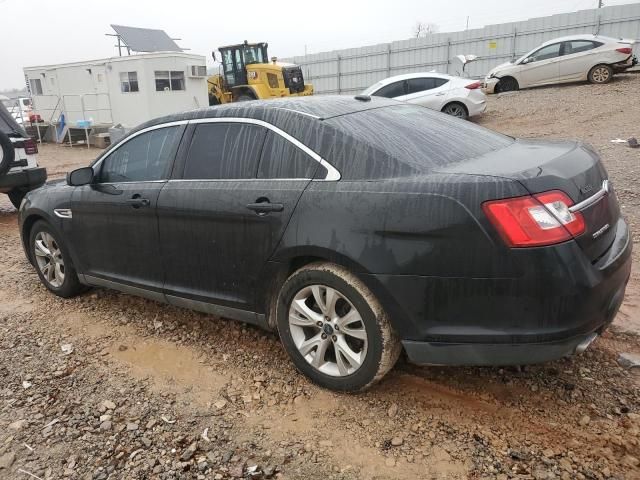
[(146, 157), (426, 83), (393, 90), (577, 46), (220, 151), (282, 159)]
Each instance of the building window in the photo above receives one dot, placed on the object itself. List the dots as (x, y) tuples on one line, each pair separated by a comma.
[(169, 80), (36, 86), (128, 82)]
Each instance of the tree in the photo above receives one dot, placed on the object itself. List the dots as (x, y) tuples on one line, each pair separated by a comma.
[(423, 29)]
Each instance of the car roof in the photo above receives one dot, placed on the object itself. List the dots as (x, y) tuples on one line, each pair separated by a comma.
[(318, 107), (407, 76), (584, 36)]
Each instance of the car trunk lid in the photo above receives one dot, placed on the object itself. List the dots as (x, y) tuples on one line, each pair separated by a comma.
[(571, 167)]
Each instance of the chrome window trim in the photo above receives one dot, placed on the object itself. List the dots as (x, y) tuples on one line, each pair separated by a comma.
[(184, 180), (298, 111), (593, 199), (332, 173)]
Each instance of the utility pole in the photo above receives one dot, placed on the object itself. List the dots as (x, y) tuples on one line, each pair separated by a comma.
[(468, 20), (600, 4)]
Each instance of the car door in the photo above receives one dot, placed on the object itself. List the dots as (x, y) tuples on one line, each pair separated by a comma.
[(542, 66), (430, 92), (114, 223), (577, 59), (393, 90), (222, 218)]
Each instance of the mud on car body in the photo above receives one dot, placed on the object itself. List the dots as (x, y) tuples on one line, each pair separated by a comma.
[(357, 228)]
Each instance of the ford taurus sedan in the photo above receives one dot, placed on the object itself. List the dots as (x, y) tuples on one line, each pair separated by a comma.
[(357, 228), (568, 59)]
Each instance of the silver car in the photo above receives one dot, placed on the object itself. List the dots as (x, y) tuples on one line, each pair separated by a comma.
[(568, 59)]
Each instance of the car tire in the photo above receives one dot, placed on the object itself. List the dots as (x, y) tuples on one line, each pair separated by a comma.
[(7, 153), (15, 197), (456, 109), (45, 248), (600, 74), (507, 84), (358, 348)]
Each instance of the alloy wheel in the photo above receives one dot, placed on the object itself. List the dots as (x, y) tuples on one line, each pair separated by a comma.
[(455, 110), (328, 330), (600, 75), (49, 259)]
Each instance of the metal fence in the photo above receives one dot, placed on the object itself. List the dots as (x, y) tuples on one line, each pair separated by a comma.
[(352, 70)]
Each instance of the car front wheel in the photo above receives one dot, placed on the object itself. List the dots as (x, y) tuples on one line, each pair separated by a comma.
[(334, 329), (52, 263)]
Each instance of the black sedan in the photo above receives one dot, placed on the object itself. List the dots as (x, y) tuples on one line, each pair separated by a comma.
[(355, 227)]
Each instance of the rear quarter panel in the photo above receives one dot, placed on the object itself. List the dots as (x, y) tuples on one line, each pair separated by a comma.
[(422, 226)]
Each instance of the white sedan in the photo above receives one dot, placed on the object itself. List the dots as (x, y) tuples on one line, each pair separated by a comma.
[(567, 59), (456, 96)]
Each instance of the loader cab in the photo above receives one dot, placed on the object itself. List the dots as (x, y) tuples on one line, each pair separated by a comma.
[(235, 59)]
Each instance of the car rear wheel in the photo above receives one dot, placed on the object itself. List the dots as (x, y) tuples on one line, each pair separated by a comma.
[(7, 153), (52, 263), (507, 84), (600, 74), (334, 329), (456, 109)]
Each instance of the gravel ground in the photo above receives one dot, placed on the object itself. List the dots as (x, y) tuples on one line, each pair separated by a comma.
[(112, 386)]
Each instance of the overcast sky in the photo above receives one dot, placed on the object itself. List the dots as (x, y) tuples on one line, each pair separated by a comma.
[(40, 32)]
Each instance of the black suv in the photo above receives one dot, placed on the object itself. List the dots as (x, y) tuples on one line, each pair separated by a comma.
[(19, 171), (357, 228)]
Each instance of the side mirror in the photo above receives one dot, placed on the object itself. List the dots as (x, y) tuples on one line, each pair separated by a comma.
[(526, 60), (80, 176)]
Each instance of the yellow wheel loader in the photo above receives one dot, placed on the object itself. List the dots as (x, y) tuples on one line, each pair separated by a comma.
[(247, 74)]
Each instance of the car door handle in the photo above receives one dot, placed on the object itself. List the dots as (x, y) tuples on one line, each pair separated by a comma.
[(262, 208), (137, 201), (440, 94)]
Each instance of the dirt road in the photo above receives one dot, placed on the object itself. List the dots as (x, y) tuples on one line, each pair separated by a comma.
[(112, 386)]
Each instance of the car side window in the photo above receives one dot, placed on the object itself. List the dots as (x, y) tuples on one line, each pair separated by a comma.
[(146, 157), (221, 151), (420, 84), (282, 159), (546, 53), (395, 89), (577, 46)]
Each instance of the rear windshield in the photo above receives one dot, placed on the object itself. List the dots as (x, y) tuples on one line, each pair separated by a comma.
[(405, 139), (7, 123)]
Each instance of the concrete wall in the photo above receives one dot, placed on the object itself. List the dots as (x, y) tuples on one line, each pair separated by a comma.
[(352, 70)]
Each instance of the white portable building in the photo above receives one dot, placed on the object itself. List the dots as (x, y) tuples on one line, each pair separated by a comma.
[(124, 90)]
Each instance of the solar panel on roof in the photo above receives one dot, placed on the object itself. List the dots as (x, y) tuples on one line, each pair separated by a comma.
[(146, 39)]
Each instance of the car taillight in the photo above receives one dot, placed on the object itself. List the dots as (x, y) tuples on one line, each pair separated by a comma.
[(533, 221), (625, 50), (474, 85), (30, 146)]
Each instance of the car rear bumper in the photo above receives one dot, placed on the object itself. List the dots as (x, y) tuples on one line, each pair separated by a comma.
[(559, 302), (28, 178), (487, 354)]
